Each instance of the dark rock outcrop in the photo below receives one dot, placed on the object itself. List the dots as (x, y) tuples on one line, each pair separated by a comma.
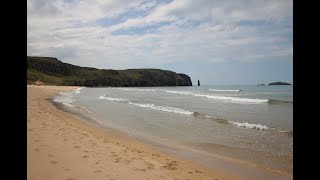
[(279, 83)]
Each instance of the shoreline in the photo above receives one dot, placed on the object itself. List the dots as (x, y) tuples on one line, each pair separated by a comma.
[(86, 150)]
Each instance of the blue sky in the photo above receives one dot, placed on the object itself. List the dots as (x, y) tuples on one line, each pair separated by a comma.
[(218, 42)]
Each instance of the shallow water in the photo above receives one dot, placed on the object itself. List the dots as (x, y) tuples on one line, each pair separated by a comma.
[(252, 123)]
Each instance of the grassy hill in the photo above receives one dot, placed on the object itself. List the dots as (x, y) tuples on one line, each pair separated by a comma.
[(51, 71)]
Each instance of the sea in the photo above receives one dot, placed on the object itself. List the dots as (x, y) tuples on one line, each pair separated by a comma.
[(245, 122)]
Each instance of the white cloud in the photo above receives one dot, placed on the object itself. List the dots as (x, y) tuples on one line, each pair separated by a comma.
[(202, 30)]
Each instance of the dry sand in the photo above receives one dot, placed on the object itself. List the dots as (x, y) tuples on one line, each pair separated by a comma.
[(65, 147)]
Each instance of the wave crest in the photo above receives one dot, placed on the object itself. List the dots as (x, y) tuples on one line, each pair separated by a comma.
[(134, 89), (113, 99), (250, 126), (150, 106), (163, 108), (195, 114), (225, 90), (77, 91), (233, 99), (65, 98)]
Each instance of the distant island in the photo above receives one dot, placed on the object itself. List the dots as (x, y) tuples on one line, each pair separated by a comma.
[(261, 85), (279, 83), (51, 71)]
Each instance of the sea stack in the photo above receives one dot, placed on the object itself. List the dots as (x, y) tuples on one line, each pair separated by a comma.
[(198, 83)]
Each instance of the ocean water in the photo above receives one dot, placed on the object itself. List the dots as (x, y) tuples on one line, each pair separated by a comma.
[(251, 123)]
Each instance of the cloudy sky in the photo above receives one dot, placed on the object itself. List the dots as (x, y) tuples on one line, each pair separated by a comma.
[(218, 42)]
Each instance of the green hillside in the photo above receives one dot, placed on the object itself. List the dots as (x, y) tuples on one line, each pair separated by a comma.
[(51, 71)]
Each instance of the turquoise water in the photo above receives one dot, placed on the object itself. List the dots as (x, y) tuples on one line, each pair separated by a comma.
[(252, 123)]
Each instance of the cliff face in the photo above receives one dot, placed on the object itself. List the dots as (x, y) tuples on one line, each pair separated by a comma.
[(186, 80), (51, 71)]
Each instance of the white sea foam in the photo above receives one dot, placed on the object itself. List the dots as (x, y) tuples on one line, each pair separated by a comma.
[(247, 125), (134, 89), (185, 112), (113, 99), (225, 90), (179, 92), (77, 91), (251, 126), (163, 108), (233, 99), (66, 98), (151, 106)]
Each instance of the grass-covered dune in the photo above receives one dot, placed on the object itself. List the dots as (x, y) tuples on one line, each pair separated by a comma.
[(51, 71)]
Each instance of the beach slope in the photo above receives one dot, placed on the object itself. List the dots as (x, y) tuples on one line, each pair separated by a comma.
[(63, 146)]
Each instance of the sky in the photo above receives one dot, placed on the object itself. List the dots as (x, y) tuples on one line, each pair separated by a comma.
[(218, 42)]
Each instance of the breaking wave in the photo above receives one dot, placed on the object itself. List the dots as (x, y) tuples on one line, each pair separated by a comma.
[(233, 99), (243, 124), (77, 91), (113, 99), (196, 114), (66, 98), (163, 108), (150, 106), (134, 89), (250, 126), (225, 90)]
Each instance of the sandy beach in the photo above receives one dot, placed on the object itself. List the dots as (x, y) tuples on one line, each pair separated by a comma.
[(64, 146), (61, 146)]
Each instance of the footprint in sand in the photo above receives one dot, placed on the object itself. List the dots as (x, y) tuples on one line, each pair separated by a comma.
[(197, 171), (149, 165), (70, 178), (114, 155), (137, 169), (37, 149), (85, 135), (66, 169), (54, 162), (156, 155), (85, 156), (50, 155), (127, 162), (97, 171), (117, 160), (171, 166), (77, 147)]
